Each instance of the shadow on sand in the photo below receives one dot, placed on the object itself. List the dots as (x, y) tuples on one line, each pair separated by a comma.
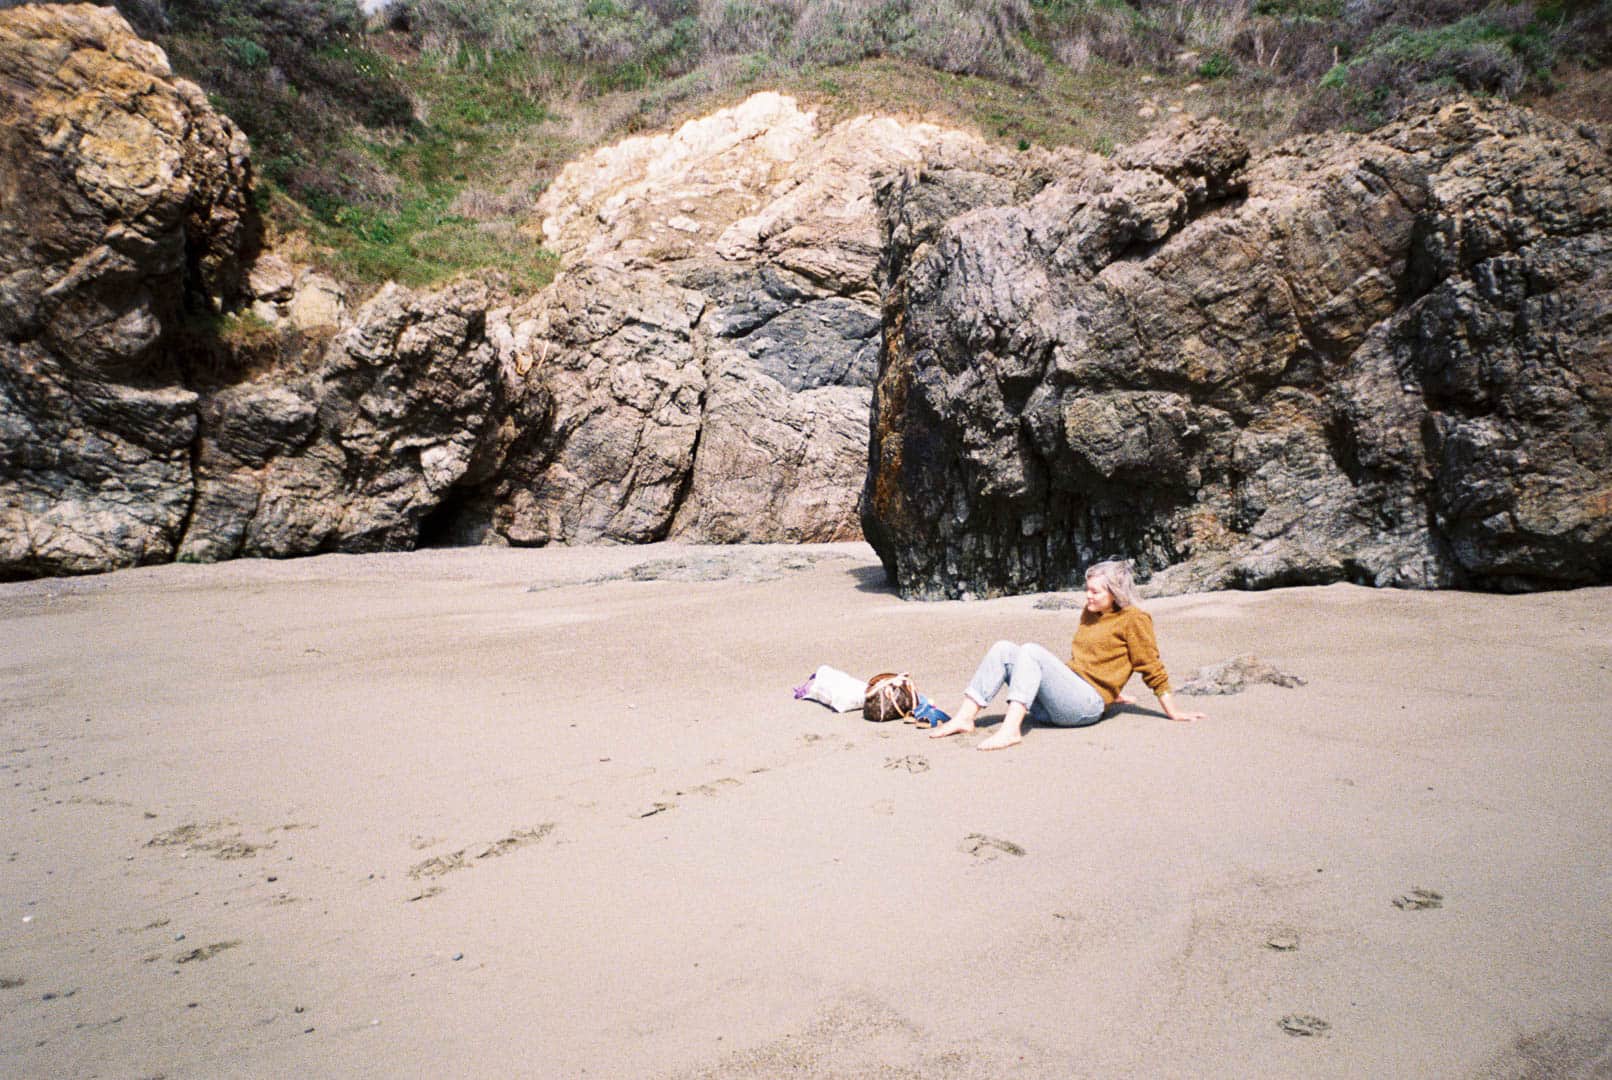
[(872, 579)]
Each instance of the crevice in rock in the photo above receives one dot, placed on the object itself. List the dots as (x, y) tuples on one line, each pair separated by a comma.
[(444, 526), (1214, 207), (195, 456), (1344, 450), (685, 484)]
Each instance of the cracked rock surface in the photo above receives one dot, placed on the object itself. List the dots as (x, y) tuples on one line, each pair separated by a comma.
[(710, 342), (1384, 359), (124, 217), (121, 192), (1380, 358)]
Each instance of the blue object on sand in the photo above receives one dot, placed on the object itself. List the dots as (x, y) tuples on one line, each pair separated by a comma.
[(928, 713)]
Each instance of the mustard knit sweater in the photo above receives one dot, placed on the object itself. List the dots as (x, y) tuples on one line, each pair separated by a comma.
[(1109, 647)]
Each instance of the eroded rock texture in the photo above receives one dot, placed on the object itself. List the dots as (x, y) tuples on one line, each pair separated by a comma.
[(406, 407), (127, 436), (120, 189), (709, 345), (1383, 359)]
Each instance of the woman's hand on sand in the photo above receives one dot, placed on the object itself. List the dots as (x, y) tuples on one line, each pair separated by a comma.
[(1167, 703)]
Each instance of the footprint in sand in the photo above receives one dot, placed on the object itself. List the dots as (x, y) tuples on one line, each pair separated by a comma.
[(988, 847), (1419, 899), (913, 763), (438, 865), (517, 839), (715, 787), (182, 834), (155, 924), (206, 952), (709, 790), (1299, 1024), (199, 838), (1283, 941)]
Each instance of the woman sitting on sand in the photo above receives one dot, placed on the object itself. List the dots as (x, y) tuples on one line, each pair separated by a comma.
[(1115, 639)]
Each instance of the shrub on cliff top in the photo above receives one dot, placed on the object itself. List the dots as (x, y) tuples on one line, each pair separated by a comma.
[(298, 82), (1409, 54), (373, 129)]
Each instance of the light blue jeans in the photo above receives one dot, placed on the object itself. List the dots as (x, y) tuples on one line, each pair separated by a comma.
[(1038, 680)]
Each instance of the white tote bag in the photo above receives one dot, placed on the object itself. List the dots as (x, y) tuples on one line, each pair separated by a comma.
[(834, 688)]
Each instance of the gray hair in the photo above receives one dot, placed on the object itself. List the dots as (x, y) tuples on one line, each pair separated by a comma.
[(1115, 576)]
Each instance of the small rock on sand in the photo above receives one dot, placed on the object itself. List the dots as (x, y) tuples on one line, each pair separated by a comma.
[(1235, 676)]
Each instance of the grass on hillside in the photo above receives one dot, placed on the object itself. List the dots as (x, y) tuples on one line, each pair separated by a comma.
[(1098, 109), (414, 148), (440, 219)]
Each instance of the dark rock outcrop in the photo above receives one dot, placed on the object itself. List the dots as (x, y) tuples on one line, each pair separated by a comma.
[(130, 436), (407, 409), (1383, 359), (122, 198)]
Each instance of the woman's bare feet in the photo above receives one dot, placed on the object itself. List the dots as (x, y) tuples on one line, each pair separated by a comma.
[(955, 726), (1001, 740), (961, 721), (1011, 731)]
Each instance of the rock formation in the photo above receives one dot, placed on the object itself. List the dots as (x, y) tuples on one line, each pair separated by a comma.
[(709, 343), (122, 198), (1374, 358), (1384, 359), (127, 436), (408, 403), (701, 368)]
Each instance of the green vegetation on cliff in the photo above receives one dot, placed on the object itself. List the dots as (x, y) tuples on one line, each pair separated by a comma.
[(411, 143)]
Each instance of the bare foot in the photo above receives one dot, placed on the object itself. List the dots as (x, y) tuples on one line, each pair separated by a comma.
[(1001, 741), (956, 725), (1124, 699)]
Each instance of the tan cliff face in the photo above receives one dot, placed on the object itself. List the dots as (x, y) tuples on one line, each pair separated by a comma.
[(709, 342)]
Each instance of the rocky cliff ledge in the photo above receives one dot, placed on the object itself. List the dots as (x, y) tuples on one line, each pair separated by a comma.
[(127, 436), (700, 369), (1384, 359), (1381, 358), (710, 342)]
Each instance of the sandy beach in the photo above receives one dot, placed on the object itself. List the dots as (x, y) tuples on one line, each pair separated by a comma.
[(554, 813)]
